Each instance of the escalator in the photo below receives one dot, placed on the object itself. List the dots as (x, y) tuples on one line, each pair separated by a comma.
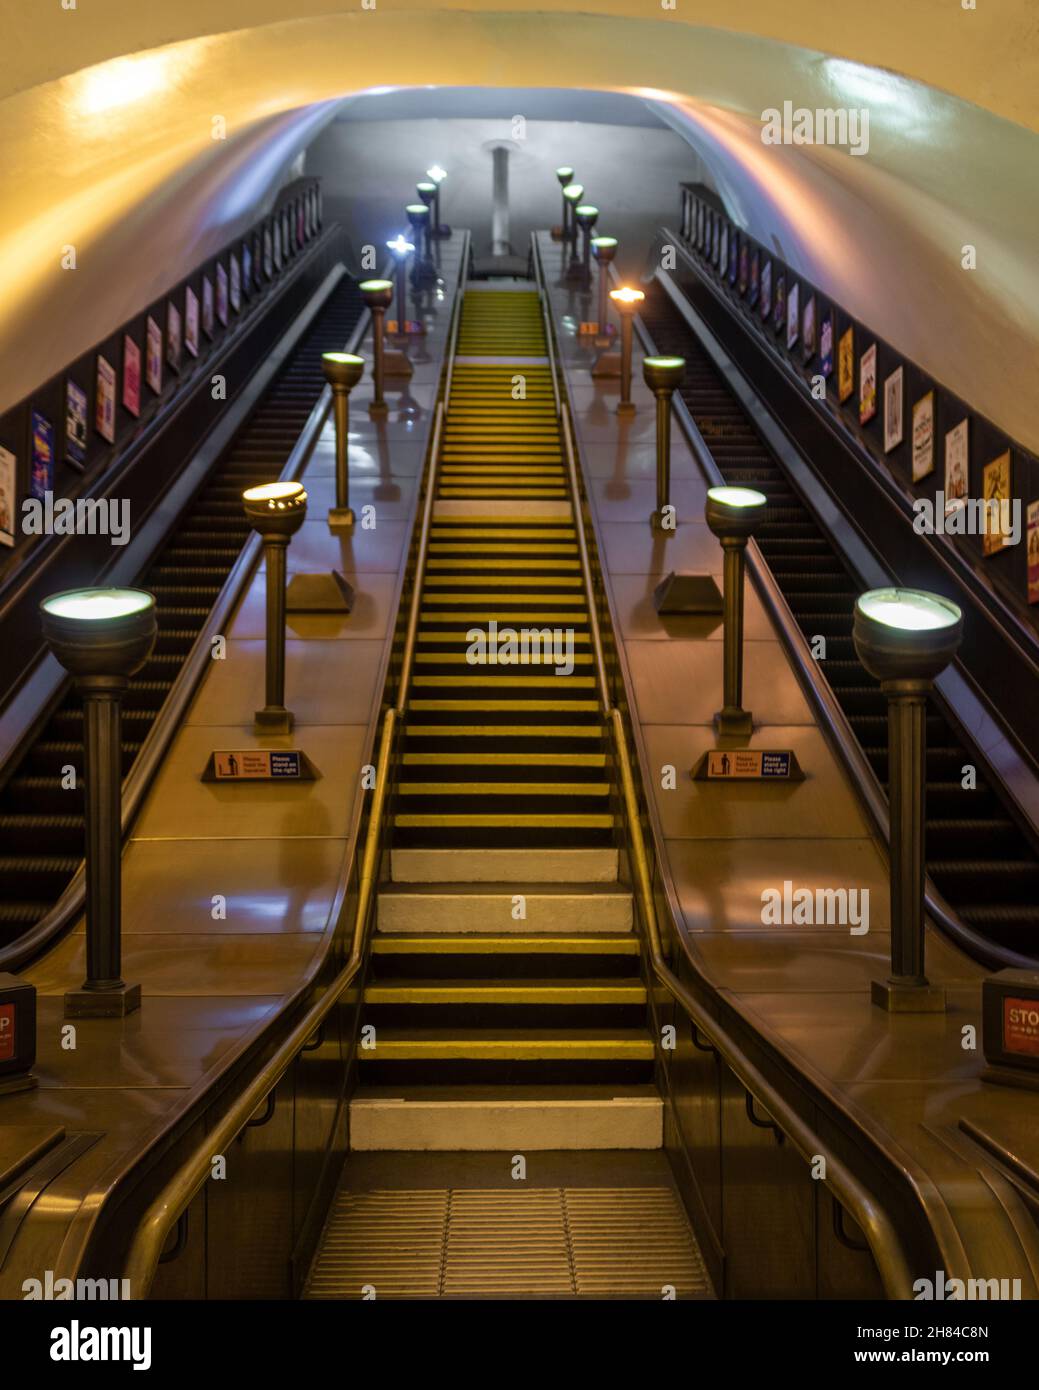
[(505, 1004), (41, 819), (977, 855)]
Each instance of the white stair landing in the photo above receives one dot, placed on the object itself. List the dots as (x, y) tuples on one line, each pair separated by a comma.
[(451, 907), (477, 1119)]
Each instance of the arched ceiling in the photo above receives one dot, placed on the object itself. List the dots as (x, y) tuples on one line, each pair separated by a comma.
[(120, 160)]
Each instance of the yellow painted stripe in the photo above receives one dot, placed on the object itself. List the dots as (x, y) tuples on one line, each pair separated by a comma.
[(504, 788), (507, 706), (506, 759), (506, 994), (491, 581), (460, 731), (616, 944), (501, 674), (550, 820), (492, 1049)]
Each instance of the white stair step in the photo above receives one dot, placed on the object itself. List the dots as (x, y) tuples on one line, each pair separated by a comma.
[(476, 1119), (458, 908), (519, 866)]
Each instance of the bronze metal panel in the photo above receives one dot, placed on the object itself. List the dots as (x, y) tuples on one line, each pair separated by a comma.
[(185, 1276), (822, 806), (180, 806), (768, 1208), (682, 684), (266, 887), (338, 689), (249, 1212), (371, 616), (195, 966)]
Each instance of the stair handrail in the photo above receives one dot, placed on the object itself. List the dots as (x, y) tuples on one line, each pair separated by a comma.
[(165, 1209), (876, 1225)]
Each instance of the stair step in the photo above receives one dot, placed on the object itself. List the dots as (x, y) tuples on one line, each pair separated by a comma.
[(504, 865), (556, 992), (525, 1118), (457, 908), (514, 1045)]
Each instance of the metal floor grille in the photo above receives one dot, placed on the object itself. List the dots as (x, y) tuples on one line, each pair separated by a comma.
[(549, 1242)]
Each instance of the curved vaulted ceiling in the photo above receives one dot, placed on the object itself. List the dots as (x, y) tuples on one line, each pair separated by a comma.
[(108, 111)]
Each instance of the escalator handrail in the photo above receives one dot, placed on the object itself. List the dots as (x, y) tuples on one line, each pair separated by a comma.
[(164, 1211), (835, 722), (874, 1222), (156, 744)]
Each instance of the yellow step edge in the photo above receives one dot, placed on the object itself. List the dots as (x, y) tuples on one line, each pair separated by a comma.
[(616, 944), (461, 731), (550, 820), (520, 565), (460, 658), (506, 706), (579, 637), (504, 788), (576, 993), (468, 759), (515, 1049), (503, 673), (505, 582)]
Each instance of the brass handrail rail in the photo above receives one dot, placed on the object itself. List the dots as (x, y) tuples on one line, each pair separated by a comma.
[(877, 1227), (166, 1208)]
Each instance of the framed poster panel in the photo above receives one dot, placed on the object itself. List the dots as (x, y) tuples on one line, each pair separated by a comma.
[(191, 321), (8, 497), (734, 256), (766, 290), (846, 365), (301, 232), (826, 343), (153, 355), (268, 253), (173, 336), (1033, 550), (744, 278), (131, 376), (723, 249), (923, 437), (221, 294), (868, 385), (104, 400), (808, 329), (208, 315), (957, 464), (779, 309), (235, 285), (247, 270), (894, 409), (996, 485), (277, 244), (76, 407), (716, 232), (41, 477), (755, 277), (793, 316)]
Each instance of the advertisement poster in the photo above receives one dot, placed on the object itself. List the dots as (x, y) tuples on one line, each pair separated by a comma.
[(923, 437), (793, 315), (277, 244), (755, 276), (75, 424), (308, 215), (8, 464), (868, 385), (766, 290), (893, 410), (698, 225), (236, 284), (957, 464), (221, 295), (826, 343), (996, 483), (779, 311), (268, 259), (1033, 542), (744, 280), (808, 329), (734, 257), (173, 339), (153, 358), (104, 401), (191, 321), (208, 319), (846, 365), (301, 233), (247, 270), (131, 375), (723, 248), (42, 476)]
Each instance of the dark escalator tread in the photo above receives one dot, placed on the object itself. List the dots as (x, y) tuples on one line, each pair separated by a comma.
[(978, 857), (41, 824)]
